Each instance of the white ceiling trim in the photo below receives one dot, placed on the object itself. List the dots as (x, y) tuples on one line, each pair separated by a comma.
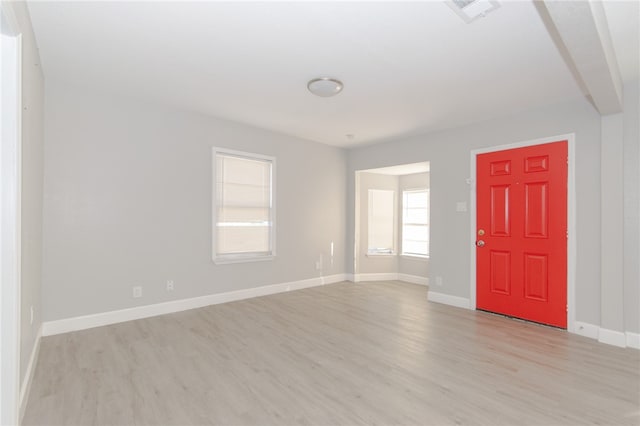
[(401, 170), (584, 31)]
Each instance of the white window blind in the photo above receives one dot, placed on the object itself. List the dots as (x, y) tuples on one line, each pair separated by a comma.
[(381, 221), (415, 222), (243, 206)]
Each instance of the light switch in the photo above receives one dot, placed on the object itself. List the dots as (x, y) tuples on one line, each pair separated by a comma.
[(461, 206)]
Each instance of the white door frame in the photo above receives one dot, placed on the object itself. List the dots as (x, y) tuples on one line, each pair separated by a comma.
[(10, 214), (571, 219)]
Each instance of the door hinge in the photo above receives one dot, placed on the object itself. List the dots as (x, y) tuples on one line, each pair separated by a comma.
[(567, 234), (567, 308)]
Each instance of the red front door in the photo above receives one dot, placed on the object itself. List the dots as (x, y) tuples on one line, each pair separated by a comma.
[(521, 235)]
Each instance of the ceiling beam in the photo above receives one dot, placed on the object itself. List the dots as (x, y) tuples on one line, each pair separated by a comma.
[(582, 30)]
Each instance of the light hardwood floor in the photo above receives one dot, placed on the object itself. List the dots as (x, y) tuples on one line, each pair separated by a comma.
[(342, 354)]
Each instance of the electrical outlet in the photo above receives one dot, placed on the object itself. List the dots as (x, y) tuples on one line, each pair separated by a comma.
[(439, 281), (170, 285), (31, 320), (137, 291)]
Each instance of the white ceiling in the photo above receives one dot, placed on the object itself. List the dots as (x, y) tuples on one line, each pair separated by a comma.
[(408, 68)]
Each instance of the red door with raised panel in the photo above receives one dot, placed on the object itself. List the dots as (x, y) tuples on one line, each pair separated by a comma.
[(521, 235)]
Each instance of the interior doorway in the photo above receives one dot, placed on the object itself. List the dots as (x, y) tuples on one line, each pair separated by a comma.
[(392, 223)]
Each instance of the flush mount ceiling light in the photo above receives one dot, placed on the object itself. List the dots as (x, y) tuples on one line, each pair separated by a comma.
[(325, 86)]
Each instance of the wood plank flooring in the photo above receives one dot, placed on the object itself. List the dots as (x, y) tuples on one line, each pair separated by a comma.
[(341, 354)]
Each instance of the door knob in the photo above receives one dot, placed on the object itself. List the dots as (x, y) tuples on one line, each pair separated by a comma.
[(480, 243)]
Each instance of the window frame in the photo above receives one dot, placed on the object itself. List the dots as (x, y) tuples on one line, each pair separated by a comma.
[(220, 259), (393, 249), (427, 225)]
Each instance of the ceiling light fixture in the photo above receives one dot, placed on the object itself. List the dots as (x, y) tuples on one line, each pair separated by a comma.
[(325, 86)]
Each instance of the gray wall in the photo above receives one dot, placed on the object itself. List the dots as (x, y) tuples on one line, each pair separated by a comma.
[(449, 156), (407, 264), (127, 201), (32, 160)]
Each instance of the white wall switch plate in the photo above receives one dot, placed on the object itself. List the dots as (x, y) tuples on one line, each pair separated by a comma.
[(137, 291)]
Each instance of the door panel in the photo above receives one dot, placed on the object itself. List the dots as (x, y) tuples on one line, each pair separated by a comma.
[(500, 211), (522, 222), (536, 210), (501, 272), (536, 279)]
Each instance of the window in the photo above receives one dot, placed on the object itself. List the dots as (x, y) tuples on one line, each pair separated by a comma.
[(381, 221), (243, 206), (415, 222)]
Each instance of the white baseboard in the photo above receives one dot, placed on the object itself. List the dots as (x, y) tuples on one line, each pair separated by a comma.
[(332, 279), (633, 340), (383, 276), (387, 276), (587, 330), (25, 386), (616, 338), (113, 317), (413, 279), (612, 337), (609, 337), (447, 299)]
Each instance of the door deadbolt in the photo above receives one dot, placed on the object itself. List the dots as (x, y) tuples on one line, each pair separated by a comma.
[(481, 232)]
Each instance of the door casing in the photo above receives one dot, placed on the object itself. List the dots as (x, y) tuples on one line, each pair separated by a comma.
[(571, 221), (10, 208)]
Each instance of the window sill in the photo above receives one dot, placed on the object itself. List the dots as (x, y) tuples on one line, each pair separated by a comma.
[(415, 257), (242, 259), (381, 254)]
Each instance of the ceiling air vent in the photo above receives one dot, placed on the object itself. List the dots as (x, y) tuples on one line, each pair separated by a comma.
[(470, 10)]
